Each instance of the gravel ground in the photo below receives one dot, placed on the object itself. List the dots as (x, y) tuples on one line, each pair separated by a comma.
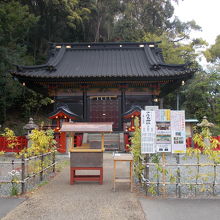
[(60, 200)]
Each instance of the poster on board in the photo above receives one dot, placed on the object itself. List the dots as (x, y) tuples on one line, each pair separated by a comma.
[(163, 130), (178, 132), (148, 132)]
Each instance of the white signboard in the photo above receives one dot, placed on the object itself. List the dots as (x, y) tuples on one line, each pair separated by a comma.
[(163, 131), (151, 108), (148, 132), (178, 132)]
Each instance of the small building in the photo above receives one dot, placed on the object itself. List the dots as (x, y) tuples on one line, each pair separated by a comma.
[(99, 82)]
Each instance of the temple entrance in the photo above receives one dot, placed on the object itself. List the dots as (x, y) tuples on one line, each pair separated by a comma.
[(104, 109)]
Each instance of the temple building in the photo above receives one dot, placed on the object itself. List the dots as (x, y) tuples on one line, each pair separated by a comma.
[(99, 82)]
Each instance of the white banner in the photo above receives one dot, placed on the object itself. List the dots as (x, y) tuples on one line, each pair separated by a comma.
[(178, 132)]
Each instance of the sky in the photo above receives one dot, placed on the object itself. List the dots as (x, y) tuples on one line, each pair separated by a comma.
[(206, 13)]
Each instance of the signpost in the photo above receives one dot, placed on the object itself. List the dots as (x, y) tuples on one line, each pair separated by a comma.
[(162, 130)]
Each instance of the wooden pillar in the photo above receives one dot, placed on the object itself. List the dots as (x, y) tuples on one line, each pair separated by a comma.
[(85, 104), (62, 146), (123, 104), (161, 103)]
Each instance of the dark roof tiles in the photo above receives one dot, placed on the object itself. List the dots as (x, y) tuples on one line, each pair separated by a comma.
[(103, 60)]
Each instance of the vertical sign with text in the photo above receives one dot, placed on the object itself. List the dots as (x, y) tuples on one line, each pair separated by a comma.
[(148, 132), (178, 132)]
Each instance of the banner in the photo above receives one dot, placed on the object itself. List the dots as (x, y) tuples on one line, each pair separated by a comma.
[(178, 132)]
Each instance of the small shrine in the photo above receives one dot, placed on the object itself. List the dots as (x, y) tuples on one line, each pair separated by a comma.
[(129, 116), (60, 115)]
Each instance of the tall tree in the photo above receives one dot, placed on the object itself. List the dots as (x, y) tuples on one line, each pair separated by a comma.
[(15, 24), (138, 16), (213, 53), (59, 20), (202, 96)]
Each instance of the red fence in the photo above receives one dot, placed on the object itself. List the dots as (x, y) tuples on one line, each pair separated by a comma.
[(21, 143), (190, 143)]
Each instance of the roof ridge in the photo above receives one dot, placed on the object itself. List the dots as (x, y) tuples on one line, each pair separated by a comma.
[(150, 56), (50, 65), (103, 43), (54, 61)]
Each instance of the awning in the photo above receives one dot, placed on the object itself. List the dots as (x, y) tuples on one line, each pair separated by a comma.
[(88, 127)]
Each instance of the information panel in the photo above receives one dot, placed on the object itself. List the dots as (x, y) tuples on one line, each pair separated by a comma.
[(178, 132), (163, 130), (148, 132)]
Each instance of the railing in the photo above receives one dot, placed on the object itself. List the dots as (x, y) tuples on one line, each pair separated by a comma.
[(193, 177), (28, 168)]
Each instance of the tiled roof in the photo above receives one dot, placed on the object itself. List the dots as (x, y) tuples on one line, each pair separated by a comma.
[(135, 108), (103, 60), (65, 110)]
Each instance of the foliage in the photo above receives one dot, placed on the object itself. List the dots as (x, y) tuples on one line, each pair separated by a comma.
[(10, 137), (213, 53), (59, 20), (202, 97), (2, 153), (33, 102), (136, 150), (150, 16), (15, 24), (15, 180), (208, 145), (41, 142), (175, 52)]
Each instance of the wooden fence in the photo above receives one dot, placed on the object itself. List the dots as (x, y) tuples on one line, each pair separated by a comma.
[(30, 168), (156, 180)]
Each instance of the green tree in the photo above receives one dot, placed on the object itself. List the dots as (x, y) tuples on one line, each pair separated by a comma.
[(137, 17), (202, 96), (213, 53), (15, 24), (59, 20)]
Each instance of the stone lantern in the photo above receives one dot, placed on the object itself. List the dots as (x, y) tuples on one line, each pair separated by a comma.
[(206, 124), (29, 127)]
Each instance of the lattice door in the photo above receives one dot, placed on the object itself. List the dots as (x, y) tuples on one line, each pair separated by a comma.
[(104, 109)]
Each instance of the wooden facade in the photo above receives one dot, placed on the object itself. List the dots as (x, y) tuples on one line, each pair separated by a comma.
[(103, 105)]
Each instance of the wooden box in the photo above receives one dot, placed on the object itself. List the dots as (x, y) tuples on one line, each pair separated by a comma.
[(86, 159)]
